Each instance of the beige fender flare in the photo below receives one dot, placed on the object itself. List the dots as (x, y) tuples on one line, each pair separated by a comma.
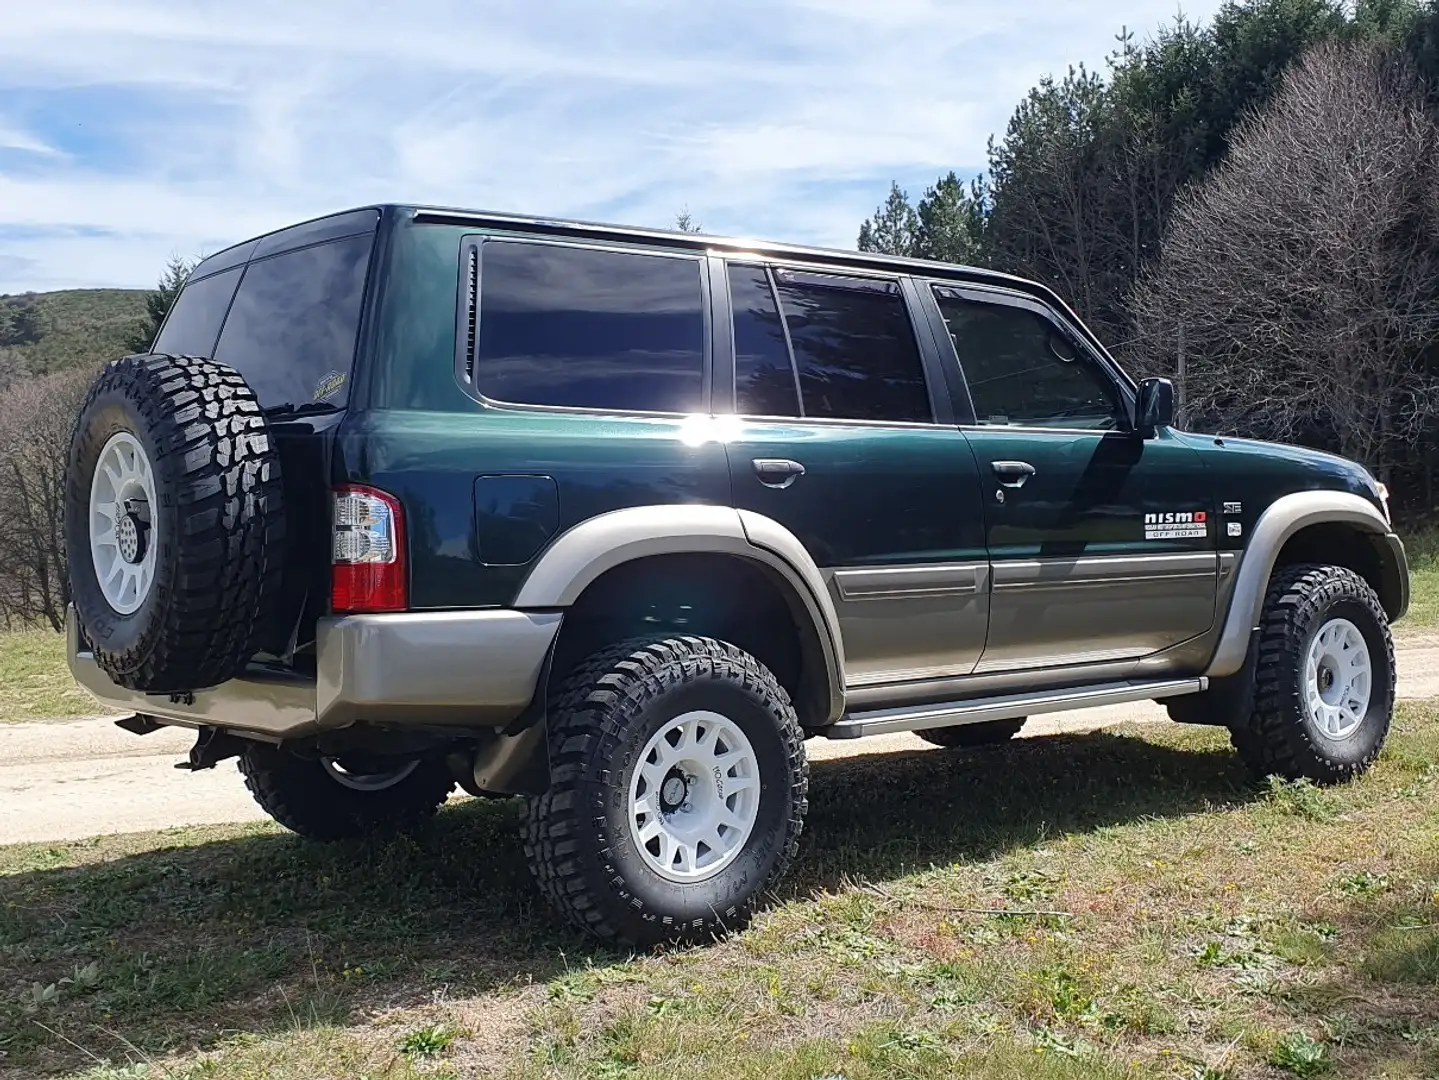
[(580, 555), (1284, 518)]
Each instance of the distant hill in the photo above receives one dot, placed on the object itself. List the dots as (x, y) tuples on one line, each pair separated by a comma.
[(44, 332)]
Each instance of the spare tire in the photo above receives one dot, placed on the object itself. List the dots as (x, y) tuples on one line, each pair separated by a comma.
[(174, 527)]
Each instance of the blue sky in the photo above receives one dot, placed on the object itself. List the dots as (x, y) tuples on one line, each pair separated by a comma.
[(133, 130)]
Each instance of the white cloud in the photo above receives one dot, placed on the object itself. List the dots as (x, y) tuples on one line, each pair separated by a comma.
[(140, 128)]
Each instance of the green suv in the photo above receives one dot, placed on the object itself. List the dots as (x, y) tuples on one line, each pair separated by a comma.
[(615, 520)]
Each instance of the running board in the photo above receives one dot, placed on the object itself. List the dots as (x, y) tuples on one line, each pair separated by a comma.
[(1009, 707)]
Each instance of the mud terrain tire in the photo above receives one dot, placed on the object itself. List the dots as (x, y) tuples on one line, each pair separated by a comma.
[(215, 531), (582, 837), (1283, 734)]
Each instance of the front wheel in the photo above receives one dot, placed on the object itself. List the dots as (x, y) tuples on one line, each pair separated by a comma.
[(678, 790), (1324, 680)]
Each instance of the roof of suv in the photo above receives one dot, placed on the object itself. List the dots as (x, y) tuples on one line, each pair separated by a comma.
[(332, 226)]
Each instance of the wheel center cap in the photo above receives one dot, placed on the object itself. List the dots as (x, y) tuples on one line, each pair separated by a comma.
[(130, 538), (673, 791)]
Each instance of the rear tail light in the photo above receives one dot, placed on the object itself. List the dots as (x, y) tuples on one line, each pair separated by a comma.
[(368, 561)]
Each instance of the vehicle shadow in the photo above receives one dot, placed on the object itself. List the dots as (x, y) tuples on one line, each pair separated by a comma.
[(166, 948)]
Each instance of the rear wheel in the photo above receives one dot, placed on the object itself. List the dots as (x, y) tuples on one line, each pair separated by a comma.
[(678, 790), (986, 734), (337, 798), (1324, 679)]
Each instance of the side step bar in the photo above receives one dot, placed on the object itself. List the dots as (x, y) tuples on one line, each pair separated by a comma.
[(1008, 707)]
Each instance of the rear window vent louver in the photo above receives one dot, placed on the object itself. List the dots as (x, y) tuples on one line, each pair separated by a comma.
[(472, 310)]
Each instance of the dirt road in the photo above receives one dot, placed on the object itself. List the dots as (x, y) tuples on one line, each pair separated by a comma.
[(64, 781)]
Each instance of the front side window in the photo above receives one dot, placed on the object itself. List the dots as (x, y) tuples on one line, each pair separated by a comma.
[(845, 343), (589, 328), (1023, 370), (292, 329), (194, 322)]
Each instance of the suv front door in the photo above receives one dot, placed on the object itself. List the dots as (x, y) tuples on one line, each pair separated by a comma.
[(845, 436), (1101, 543)]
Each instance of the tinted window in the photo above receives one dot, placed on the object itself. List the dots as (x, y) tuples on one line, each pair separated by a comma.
[(583, 328), (854, 348), (1022, 370), (764, 376), (291, 331), (194, 321)]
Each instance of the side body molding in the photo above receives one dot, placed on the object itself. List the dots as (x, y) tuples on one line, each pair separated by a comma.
[(579, 556), (1284, 517)]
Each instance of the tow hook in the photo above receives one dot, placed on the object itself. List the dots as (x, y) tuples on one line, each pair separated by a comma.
[(212, 745)]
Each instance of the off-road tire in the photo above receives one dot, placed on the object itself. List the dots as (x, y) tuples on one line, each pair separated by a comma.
[(577, 836), (299, 794), (219, 523), (987, 734), (1277, 736)]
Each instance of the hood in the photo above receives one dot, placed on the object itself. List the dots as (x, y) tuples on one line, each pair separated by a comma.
[(1266, 470)]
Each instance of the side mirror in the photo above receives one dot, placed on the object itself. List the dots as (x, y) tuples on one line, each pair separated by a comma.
[(1154, 407)]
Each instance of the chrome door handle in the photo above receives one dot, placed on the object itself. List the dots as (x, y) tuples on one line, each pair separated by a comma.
[(1012, 474), (777, 472)]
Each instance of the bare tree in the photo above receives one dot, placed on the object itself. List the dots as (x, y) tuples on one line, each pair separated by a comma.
[(1301, 279), (36, 419)]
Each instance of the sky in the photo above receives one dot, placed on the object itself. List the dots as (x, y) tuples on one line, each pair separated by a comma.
[(132, 131)]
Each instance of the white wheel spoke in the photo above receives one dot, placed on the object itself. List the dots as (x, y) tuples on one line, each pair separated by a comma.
[(1338, 684), (123, 540), (684, 829)]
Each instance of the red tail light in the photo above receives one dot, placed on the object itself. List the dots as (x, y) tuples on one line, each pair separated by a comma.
[(368, 561)]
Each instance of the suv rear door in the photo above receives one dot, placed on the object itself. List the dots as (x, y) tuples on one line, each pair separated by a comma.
[(1102, 543), (284, 311), (846, 438)]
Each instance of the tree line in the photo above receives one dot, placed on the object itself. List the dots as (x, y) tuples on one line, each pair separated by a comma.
[(37, 416), (1249, 206)]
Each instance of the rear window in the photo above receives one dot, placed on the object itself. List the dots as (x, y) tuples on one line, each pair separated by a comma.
[(194, 321), (292, 328), (588, 328)]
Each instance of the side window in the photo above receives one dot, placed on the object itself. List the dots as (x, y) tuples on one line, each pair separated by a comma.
[(586, 328), (853, 348), (292, 329), (1022, 370), (194, 321), (764, 378)]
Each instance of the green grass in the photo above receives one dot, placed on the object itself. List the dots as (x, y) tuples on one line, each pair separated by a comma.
[(35, 683), (1117, 904), (1423, 550), (78, 326)]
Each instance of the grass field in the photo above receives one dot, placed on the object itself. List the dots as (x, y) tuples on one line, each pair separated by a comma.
[(35, 683), (1423, 551), (1108, 905)]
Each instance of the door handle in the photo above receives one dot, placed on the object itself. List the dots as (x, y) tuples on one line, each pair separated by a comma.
[(1012, 474), (777, 472)]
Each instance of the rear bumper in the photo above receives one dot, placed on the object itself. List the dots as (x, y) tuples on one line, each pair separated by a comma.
[(459, 668)]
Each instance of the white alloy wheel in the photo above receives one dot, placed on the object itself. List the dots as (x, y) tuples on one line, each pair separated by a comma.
[(123, 538), (375, 781), (694, 797), (1338, 679)]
